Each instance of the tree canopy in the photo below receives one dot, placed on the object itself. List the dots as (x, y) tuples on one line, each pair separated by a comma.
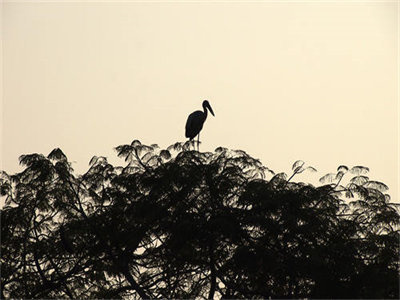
[(176, 223)]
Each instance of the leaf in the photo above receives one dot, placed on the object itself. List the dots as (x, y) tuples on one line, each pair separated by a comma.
[(269, 170), (240, 153), (342, 168), (377, 185), (312, 169), (93, 160), (359, 170), (297, 164), (98, 160), (298, 170), (280, 176), (220, 149), (136, 143), (147, 157), (124, 150), (143, 148), (358, 189), (327, 178), (29, 159), (165, 154), (339, 175), (359, 180), (57, 154), (176, 147)]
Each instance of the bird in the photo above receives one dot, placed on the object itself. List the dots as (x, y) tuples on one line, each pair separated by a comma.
[(195, 122)]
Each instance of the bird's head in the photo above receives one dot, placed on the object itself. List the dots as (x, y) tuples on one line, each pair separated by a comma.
[(207, 105)]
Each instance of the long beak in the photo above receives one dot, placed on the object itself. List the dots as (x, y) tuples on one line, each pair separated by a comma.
[(210, 109)]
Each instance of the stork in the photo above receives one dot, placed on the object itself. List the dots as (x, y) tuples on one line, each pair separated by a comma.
[(195, 122)]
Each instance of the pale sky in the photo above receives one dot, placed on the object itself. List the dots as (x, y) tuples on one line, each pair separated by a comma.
[(316, 81)]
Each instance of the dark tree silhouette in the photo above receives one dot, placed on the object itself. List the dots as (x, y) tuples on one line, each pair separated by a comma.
[(175, 223)]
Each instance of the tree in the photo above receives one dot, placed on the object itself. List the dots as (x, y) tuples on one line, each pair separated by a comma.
[(175, 223)]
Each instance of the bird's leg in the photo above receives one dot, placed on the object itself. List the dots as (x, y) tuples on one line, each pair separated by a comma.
[(198, 142)]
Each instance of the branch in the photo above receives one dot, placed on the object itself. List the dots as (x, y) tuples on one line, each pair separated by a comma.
[(213, 273)]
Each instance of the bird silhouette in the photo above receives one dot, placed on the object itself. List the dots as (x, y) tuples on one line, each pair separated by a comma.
[(195, 122)]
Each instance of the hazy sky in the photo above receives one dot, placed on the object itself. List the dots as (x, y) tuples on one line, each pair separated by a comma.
[(316, 81)]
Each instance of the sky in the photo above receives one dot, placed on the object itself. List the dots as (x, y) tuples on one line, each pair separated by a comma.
[(289, 80)]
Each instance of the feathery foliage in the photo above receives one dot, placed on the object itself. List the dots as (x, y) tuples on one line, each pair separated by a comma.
[(174, 223)]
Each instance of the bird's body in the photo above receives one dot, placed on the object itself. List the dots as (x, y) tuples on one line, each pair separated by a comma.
[(195, 121)]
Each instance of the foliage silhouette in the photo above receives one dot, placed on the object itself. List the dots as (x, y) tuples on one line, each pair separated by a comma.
[(175, 223)]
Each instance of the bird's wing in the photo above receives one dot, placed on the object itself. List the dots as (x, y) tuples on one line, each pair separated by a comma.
[(189, 126), (194, 124)]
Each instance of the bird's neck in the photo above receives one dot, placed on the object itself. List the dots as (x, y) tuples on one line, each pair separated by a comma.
[(205, 112)]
